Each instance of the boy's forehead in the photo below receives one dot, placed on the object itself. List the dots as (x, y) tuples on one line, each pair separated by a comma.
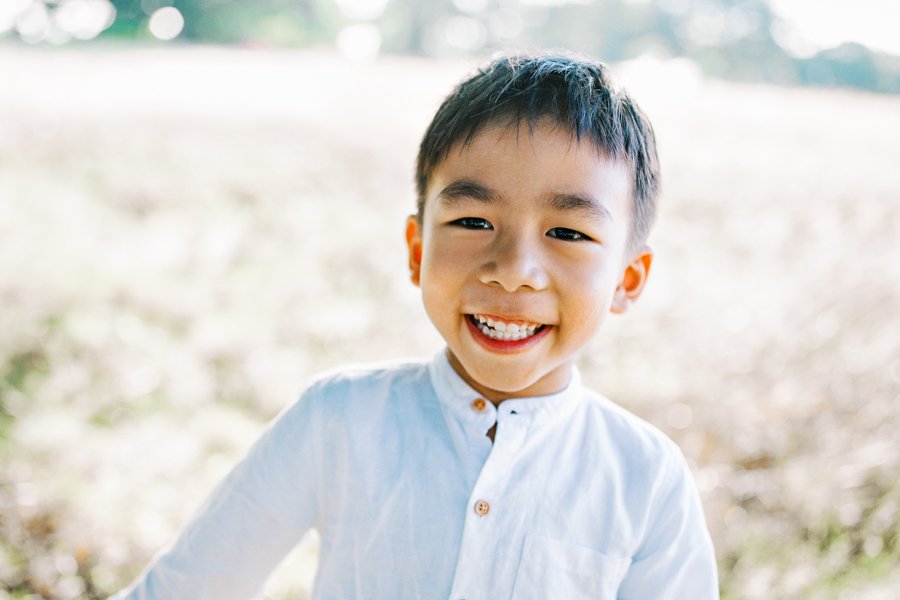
[(520, 130), (551, 150)]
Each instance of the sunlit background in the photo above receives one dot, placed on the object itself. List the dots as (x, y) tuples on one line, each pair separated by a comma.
[(202, 206)]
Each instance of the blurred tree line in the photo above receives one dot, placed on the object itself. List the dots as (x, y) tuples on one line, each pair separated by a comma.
[(734, 39)]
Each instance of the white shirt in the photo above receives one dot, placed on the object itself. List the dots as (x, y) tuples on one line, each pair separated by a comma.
[(576, 498)]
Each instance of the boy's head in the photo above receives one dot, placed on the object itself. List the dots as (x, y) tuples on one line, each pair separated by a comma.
[(575, 94), (537, 185)]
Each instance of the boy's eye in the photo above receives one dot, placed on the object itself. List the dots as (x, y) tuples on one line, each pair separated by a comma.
[(472, 223), (568, 235)]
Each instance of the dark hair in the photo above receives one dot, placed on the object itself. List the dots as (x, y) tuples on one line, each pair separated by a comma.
[(574, 92)]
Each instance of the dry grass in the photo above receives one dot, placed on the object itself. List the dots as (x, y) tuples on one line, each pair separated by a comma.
[(188, 234)]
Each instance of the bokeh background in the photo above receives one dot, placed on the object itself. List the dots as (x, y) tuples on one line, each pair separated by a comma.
[(202, 205)]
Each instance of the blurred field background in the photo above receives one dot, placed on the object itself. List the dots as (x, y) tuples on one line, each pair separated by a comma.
[(188, 232)]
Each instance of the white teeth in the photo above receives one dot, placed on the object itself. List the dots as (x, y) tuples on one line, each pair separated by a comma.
[(499, 330)]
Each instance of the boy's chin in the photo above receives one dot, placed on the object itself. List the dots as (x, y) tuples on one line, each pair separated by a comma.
[(498, 382)]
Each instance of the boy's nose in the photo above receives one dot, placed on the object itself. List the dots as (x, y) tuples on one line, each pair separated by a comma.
[(514, 264)]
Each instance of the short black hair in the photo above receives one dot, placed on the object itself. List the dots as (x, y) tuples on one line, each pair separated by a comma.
[(576, 93)]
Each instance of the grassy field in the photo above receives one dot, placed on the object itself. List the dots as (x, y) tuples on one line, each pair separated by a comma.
[(187, 235)]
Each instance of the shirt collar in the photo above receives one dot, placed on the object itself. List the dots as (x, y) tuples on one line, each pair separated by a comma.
[(456, 395)]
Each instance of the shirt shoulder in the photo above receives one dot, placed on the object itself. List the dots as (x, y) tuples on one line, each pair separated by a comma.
[(365, 383), (372, 373), (652, 476), (636, 441)]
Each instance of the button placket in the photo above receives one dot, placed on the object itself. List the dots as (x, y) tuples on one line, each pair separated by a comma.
[(485, 513), (492, 477), (482, 530)]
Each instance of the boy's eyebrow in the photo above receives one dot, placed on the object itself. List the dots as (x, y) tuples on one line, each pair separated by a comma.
[(466, 188), (581, 202)]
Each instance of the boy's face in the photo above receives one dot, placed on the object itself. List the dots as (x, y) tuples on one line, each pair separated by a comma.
[(524, 230)]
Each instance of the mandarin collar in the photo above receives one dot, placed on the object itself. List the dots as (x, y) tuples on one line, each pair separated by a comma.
[(456, 395)]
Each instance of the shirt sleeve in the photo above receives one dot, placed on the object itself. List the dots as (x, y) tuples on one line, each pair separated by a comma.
[(255, 516), (676, 559)]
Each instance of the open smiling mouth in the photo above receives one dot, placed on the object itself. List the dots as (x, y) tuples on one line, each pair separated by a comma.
[(505, 331)]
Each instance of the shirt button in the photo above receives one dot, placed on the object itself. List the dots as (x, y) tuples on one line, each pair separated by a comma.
[(482, 508), (479, 404)]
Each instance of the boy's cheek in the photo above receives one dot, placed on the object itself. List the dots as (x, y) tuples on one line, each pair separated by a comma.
[(448, 261)]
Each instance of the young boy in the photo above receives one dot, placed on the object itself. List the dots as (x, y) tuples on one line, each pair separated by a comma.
[(488, 472)]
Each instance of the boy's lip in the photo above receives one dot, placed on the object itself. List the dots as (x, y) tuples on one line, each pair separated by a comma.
[(501, 345)]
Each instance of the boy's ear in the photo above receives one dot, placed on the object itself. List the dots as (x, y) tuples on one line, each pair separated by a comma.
[(414, 245), (633, 280)]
